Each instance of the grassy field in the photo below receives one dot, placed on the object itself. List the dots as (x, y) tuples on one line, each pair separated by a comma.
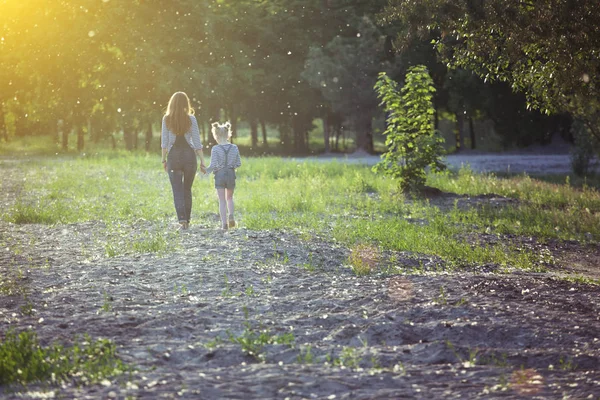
[(348, 202), (90, 217)]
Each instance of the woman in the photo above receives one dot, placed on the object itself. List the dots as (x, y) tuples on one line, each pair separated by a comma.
[(180, 142)]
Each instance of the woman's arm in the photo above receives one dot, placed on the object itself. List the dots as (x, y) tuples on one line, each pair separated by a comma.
[(197, 143), (200, 154)]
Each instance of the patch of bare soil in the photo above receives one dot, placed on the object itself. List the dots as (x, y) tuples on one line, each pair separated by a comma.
[(473, 333)]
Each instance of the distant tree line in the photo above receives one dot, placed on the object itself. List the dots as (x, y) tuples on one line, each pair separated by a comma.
[(105, 69)]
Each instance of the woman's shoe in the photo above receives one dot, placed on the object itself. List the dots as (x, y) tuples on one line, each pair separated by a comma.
[(231, 223)]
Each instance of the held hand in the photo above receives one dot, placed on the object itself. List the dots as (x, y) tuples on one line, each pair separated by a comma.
[(164, 164), (203, 169)]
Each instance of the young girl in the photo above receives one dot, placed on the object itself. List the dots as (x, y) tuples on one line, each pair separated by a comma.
[(180, 142), (224, 159)]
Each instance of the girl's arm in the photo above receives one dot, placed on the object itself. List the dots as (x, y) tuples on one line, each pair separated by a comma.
[(238, 160), (213, 160)]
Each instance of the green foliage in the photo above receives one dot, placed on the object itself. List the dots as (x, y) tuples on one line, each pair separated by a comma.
[(23, 360), (585, 147), (333, 70), (413, 144), (544, 49)]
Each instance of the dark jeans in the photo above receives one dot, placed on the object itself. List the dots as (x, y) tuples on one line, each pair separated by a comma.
[(182, 166)]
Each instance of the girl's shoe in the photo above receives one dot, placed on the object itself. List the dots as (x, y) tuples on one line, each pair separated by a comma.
[(231, 223)]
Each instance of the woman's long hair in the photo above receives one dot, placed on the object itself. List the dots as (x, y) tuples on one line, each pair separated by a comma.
[(178, 113)]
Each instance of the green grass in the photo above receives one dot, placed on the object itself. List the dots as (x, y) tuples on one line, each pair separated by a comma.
[(23, 360), (349, 203), (544, 209)]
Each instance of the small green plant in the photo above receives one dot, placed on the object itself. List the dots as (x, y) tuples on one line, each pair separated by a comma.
[(111, 250), (306, 356), (348, 358), (375, 363), (106, 306), (467, 362), (10, 286), (180, 289), (310, 265), (227, 291), (441, 299), (363, 259), (497, 360), (156, 242), (461, 302), (253, 340), (566, 364), (24, 360), (27, 308), (413, 144), (212, 344), (250, 291), (582, 279)]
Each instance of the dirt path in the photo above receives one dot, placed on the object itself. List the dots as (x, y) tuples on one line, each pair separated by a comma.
[(484, 162), (468, 334)]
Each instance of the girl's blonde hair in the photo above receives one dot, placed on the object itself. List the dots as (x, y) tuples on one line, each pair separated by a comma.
[(221, 132), (178, 113)]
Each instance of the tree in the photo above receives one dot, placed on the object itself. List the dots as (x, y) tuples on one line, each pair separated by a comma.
[(413, 144), (549, 50), (345, 72)]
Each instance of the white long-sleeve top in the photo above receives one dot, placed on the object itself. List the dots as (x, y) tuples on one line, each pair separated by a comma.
[(167, 138), (217, 157)]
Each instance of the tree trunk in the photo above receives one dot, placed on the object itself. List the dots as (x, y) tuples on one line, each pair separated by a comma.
[(20, 129), (80, 137), (148, 141), (338, 133), (263, 127), (253, 133), (460, 134), (65, 135), (284, 134), (326, 133), (299, 136), (472, 132), (364, 134), (3, 129), (233, 120), (135, 137), (127, 136), (89, 130)]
